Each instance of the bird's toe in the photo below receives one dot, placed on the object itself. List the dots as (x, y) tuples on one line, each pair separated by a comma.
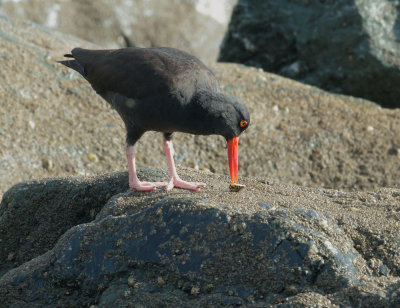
[(142, 186), (179, 183), (157, 184), (145, 186)]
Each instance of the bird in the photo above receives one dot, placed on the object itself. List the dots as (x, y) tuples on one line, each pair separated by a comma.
[(166, 90)]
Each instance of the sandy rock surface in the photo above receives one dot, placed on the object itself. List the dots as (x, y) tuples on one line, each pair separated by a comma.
[(92, 241), (52, 124)]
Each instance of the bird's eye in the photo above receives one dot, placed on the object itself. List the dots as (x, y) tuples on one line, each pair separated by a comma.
[(243, 123)]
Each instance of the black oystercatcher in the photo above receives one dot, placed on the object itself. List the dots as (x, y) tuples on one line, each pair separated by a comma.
[(165, 90)]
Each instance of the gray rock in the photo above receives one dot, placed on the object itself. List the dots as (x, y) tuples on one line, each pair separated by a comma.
[(174, 248), (194, 26), (343, 46)]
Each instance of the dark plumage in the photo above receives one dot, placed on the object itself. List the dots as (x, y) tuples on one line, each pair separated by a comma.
[(165, 90)]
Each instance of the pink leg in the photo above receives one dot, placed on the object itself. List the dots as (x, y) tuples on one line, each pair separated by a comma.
[(175, 180), (134, 182)]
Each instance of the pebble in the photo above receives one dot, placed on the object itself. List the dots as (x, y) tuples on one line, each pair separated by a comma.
[(160, 281), (265, 205), (209, 287), (32, 124), (131, 281), (47, 163), (93, 157), (383, 270), (195, 291), (11, 256)]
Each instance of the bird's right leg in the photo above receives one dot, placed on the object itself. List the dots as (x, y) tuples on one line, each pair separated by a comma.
[(175, 180)]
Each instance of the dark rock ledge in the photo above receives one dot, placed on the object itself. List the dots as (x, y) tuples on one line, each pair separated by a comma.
[(77, 242)]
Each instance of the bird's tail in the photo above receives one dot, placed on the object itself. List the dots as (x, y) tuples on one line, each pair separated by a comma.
[(74, 64)]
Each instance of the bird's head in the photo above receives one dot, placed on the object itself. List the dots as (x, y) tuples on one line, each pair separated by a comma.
[(228, 116)]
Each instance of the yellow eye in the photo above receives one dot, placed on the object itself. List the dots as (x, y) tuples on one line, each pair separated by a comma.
[(243, 123)]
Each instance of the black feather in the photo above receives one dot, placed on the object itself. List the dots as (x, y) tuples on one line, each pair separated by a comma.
[(160, 89)]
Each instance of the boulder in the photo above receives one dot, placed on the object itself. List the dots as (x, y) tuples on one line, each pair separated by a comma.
[(195, 26), (349, 47), (53, 124), (90, 241)]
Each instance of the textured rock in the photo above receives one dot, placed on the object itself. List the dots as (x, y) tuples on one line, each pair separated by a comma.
[(349, 47), (214, 247), (121, 23), (298, 134)]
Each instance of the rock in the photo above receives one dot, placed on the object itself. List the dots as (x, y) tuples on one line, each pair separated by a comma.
[(93, 157), (139, 23), (181, 248), (131, 281), (91, 242), (47, 163), (160, 281), (28, 229), (298, 133), (349, 47)]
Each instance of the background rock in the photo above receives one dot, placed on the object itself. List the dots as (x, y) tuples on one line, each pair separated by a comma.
[(195, 26), (54, 124), (349, 47), (268, 244)]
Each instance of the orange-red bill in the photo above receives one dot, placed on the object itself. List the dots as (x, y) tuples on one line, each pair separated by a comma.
[(233, 158)]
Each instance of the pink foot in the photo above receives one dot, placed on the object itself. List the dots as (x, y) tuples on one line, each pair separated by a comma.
[(179, 183), (175, 180), (146, 186)]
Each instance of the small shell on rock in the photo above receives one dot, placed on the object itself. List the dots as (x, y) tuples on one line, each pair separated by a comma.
[(236, 187)]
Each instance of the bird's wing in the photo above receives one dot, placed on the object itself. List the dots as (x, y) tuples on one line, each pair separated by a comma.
[(144, 72)]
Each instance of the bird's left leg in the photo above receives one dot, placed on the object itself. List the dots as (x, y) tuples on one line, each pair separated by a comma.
[(175, 180), (134, 182), (132, 137)]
